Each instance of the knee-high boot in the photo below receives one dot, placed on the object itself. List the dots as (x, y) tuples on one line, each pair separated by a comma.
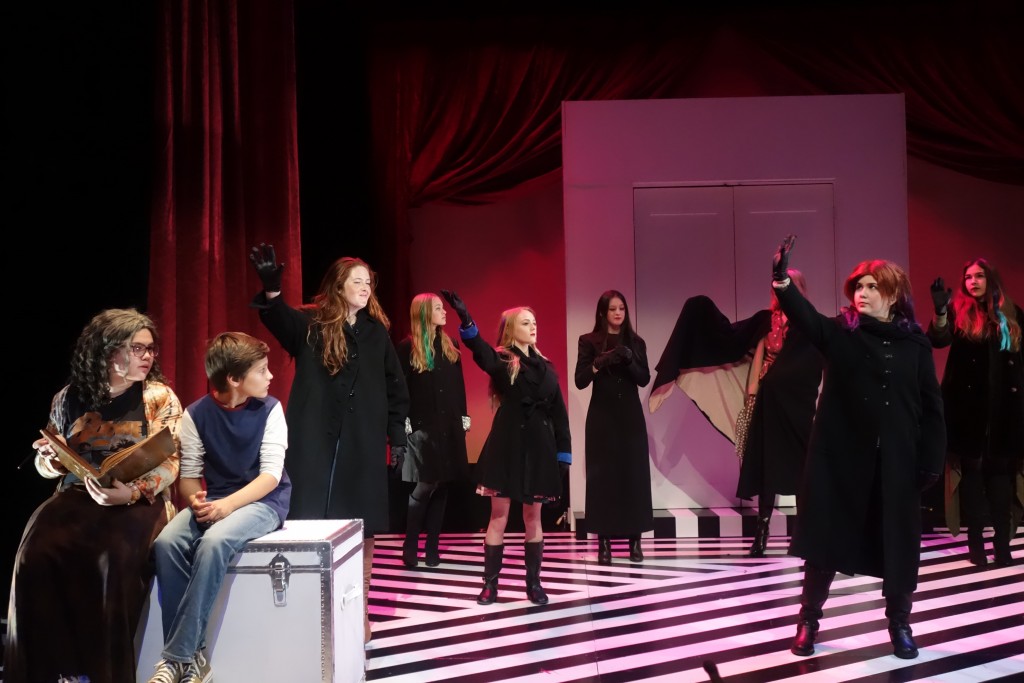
[(604, 550), (813, 595), (757, 548), (1000, 498), (492, 567), (435, 520), (413, 524), (533, 553), (367, 570), (972, 510), (897, 609)]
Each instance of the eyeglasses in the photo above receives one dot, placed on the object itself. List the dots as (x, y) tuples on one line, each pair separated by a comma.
[(140, 350)]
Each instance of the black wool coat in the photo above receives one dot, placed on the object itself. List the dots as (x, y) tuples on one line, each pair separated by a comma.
[(530, 426), (618, 460), (879, 423), (437, 401), (983, 391), (339, 425)]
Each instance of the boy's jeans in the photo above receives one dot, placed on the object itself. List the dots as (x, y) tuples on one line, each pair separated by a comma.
[(191, 563)]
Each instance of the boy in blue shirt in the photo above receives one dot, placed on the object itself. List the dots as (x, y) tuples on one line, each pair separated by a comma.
[(235, 439)]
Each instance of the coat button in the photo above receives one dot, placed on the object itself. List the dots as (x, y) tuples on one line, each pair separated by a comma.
[(354, 356), (351, 409), (886, 403), (885, 386)]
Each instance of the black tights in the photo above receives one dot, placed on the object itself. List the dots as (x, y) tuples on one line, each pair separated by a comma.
[(424, 490)]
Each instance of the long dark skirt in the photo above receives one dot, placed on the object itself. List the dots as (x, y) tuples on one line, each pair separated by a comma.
[(81, 576)]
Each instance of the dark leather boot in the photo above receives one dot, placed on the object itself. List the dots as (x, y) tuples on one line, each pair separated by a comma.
[(897, 608), (492, 567), (413, 524), (533, 553), (435, 520), (813, 595), (636, 553), (760, 537), (976, 546), (604, 550)]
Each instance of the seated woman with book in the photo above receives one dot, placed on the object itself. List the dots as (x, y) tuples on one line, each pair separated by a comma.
[(83, 567)]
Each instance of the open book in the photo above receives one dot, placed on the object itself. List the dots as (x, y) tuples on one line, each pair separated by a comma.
[(125, 465)]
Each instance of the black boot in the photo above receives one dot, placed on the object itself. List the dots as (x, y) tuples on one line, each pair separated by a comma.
[(492, 567), (413, 523), (760, 536), (636, 554), (813, 595), (976, 546), (1001, 494), (897, 608), (532, 556), (604, 550), (435, 520)]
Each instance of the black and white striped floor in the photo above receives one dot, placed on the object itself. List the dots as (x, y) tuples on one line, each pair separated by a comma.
[(692, 600)]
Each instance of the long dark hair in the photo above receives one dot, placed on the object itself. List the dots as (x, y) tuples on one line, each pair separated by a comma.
[(626, 332), (109, 332)]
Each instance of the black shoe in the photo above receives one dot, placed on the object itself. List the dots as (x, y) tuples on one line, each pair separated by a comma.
[(636, 554), (433, 555), (604, 550), (806, 632), (976, 549), (902, 638), (409, 551)]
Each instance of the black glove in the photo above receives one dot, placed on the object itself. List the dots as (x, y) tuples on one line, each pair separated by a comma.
[(563, 468), (624, 354), (780, 262), (458, 306), (267, 267), (925, 479), (940, 296), (606, 359), (397, 458)]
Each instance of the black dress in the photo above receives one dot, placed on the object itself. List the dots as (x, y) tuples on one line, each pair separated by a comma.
[(780, 427), (83, 571), (436, 448), (618, 499)]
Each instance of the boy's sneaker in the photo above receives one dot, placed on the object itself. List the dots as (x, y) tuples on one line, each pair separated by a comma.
[(168, 672), (198, 670)]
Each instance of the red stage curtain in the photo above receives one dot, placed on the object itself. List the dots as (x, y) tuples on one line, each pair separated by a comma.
[(467, 113), (227, 177)]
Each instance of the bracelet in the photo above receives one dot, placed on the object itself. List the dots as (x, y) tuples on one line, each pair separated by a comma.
[(136, 494)]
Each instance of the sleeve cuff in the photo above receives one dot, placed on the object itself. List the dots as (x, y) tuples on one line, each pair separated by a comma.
[(565, 457), (469, 332)]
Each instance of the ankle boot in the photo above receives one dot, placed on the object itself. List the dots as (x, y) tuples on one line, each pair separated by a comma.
[(435, 520), (636, 554), (976, 546), (413, 524), (760, 537), (897, 608), (492, 567), (604, 550), (813, 595), (532, 557), (367, 570)]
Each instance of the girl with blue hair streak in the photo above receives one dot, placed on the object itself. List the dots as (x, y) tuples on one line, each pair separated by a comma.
[(983, 392), (436, 426)]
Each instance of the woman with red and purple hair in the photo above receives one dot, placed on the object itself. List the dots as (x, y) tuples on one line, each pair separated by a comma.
[(877, 441), (983, 391)]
